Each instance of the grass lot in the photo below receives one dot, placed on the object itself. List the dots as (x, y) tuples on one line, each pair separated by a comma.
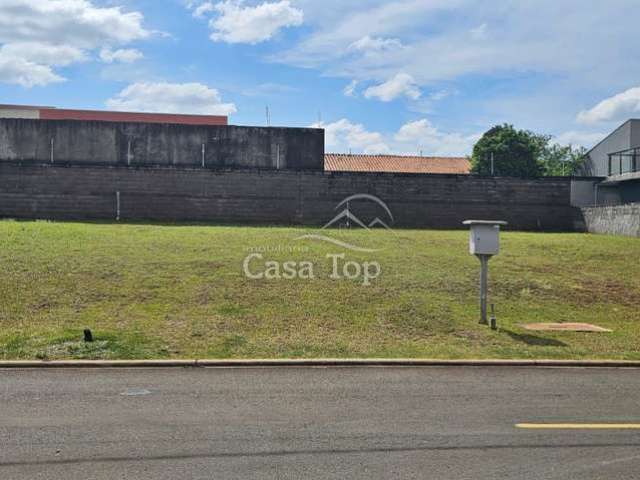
[(151, 291)]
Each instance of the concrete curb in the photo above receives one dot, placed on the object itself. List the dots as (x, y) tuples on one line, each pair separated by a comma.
[(326, 362)]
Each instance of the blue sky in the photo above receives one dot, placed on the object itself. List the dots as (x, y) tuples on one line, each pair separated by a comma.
[(380, 76)]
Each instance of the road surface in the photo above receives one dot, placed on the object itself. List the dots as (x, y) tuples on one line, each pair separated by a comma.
[(342, 423)]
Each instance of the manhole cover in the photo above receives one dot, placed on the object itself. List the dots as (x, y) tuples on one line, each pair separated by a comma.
[(564, 327)]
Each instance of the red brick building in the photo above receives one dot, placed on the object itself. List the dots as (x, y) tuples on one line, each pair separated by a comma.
[(52, 113)]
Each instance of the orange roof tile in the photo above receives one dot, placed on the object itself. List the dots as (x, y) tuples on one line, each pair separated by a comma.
[(336, 162)]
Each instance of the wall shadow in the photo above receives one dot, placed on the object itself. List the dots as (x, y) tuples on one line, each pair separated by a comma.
[(535, 340)]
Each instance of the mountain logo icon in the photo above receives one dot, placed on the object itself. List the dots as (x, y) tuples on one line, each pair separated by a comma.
[(347, 219)]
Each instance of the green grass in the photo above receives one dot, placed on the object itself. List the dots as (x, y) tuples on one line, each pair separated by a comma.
[(153, 291)]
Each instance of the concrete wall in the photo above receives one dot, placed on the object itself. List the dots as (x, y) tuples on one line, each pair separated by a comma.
[(584, 191), (112, 143), (280, 197), (613, 220), (630, 191), (27, 113)]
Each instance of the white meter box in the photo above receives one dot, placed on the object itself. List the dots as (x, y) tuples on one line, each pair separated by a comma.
[(484, 237), (484, 240)]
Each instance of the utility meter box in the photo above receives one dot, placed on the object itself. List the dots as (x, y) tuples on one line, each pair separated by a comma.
[(484, 237)]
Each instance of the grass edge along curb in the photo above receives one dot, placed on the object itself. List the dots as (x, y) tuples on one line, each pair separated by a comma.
[(356, 362)]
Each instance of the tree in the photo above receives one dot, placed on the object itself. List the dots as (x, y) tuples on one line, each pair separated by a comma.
[(511, 152), (521, 153), (560, 160)]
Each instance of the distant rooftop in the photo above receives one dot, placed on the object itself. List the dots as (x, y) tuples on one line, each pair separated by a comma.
[(337, 162), (52, 113)]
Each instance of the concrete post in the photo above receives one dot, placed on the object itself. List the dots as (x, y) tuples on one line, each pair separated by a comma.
[(484, 277), (117, 206)]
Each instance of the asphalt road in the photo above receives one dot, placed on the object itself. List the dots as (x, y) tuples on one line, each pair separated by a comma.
[(343, 423)]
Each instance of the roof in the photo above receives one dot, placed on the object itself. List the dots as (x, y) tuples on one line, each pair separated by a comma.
[(336, 162), (52, 113)]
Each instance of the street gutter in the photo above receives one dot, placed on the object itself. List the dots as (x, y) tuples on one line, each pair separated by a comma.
[(356, 362)]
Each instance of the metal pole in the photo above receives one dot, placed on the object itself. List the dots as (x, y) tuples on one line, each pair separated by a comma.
[(620, 164), (203, 150), (278, 157), (117, 206), (52, 144), (129, 153), (484, 274), (492, 165)]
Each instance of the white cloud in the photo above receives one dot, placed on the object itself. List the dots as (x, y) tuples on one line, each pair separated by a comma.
[(423, 135), (415, 131), (379, 30), (193, 98), (479, 32), (27, 74), (270, 89), (401, 84), (38, 36), (201, 10), (440, 95), (445, 39), (68, 22), (123, 55), (513, 46), (619, 107), (579, 139), (375, 44), (350, 90), (30, 64), (44, 53), (344, 136), (237, 23)]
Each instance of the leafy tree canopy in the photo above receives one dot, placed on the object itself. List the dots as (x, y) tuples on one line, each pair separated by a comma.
[(505, 151), (562, 160)]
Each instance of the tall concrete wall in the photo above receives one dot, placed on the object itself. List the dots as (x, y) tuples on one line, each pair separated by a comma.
[(614, 219), (630, 191), (279, 197), (114, 143)]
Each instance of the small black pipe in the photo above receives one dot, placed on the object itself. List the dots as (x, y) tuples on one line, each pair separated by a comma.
[(88, 336)]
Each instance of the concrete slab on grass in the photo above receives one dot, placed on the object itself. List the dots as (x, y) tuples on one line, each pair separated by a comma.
[(564, 327)]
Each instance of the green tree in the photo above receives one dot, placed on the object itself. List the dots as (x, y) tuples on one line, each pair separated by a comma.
[(521, 153), (505, 151), (562, 160)]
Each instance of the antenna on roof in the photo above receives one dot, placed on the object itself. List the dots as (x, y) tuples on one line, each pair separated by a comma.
[(268, 117), (419, 153)]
